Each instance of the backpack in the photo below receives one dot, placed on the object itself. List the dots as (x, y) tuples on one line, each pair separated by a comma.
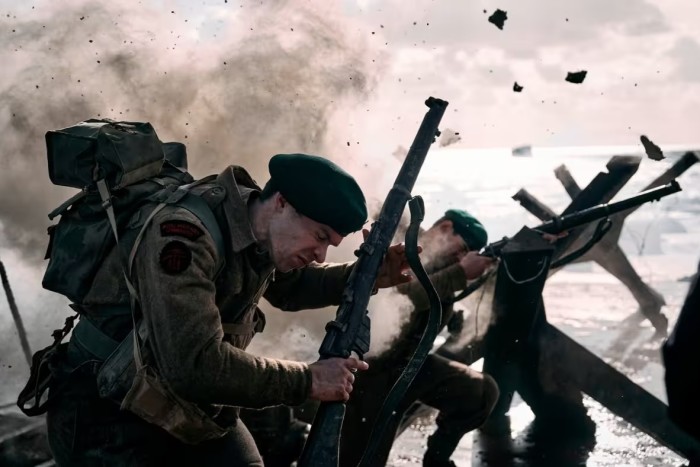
[(119, 167)]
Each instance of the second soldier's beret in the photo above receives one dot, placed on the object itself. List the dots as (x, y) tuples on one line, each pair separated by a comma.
[(468, 227), (320, 190)]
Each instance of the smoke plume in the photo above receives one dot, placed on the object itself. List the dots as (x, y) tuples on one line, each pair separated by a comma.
[(269, 83), (236, 82)]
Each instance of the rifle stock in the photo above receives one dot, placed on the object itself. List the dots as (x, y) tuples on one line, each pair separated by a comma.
[(349, 332)]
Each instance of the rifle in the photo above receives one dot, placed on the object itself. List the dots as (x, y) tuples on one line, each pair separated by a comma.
[(560, 224), (350, 331)]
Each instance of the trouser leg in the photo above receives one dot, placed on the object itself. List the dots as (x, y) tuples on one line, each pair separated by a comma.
[(85, 430), (279, 436), (464, 397)]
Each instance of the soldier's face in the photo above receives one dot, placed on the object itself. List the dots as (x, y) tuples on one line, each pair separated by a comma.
[(443, 241), (296, 240)]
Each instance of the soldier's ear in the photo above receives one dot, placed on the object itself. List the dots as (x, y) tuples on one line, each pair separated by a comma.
[(279, 201), (446, 226)]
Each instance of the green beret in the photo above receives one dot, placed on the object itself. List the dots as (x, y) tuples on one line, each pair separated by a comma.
[(468, 227), (320, 190)]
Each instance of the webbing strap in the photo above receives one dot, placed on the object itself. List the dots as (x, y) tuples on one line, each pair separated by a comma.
[(132, 291), (126, 268), (103, 311), (197, 206), (238, 329), (245, 329), (92, 339), (106, 197)]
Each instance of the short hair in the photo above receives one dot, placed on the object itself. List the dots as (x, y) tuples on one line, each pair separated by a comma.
[(268, 190)]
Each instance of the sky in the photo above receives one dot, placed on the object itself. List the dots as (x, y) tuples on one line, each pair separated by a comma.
[(642, 58)]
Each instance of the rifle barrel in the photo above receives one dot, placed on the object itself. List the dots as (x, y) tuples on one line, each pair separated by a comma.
[(350, 330), (580, 218)]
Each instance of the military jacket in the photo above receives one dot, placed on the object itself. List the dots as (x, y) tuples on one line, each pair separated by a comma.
[(200, 320)]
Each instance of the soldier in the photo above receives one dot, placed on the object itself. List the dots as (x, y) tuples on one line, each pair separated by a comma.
[(463, 396), (181, 407)]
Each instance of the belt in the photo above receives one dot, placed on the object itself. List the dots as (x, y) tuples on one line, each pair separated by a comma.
[(90, 338)]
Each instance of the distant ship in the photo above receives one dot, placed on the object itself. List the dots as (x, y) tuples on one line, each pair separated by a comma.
[(523, 151)]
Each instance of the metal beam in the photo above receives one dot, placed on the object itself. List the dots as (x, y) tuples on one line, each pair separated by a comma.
[(616, 392)]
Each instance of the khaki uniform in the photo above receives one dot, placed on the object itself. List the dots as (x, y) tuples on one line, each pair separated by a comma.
[(463, 396), (199, 324)]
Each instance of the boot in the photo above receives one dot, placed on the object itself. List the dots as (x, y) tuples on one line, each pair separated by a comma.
[(441, 445)]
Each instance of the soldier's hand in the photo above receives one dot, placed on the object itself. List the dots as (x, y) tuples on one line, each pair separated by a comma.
[(474, 265), (395, 268), (332, 379), (553, 238)]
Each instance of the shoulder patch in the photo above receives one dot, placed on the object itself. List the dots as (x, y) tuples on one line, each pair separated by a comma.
[(175, 257), (180, 229)]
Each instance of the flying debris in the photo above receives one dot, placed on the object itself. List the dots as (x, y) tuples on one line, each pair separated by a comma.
[(400, 153), (498, 18), (689, 278), (525, 150), (517, 87), (449, 136), (653, 151), (576, 77)]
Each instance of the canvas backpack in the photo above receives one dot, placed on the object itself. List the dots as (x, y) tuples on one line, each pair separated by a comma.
[(119, 167)]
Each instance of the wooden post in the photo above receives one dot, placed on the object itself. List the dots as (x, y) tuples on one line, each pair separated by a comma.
[(15, 315)]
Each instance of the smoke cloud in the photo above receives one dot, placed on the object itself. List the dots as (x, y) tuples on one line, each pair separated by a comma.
[(269, 83)]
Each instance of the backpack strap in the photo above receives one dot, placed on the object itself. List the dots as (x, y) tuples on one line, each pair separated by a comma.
[(197, 206), (103, 347), (183, 197)]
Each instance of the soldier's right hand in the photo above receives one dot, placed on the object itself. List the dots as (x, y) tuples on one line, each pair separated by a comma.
[(474, 265), (332, 379)]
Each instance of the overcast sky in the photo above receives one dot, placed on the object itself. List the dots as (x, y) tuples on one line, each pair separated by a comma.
[(642, 58)]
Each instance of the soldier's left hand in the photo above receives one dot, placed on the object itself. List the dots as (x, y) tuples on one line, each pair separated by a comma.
[(553, 238), (474, 265), (394, 269)]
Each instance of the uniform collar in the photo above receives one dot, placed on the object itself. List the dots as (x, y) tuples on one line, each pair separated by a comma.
[(239, 187)]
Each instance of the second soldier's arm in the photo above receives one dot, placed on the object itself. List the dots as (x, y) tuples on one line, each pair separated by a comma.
[(446, 281)]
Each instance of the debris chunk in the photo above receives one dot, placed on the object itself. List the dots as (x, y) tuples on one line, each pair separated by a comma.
[(576, 77), (653, 151), (400, 153), (498, 18), (517, 87), (448, 137)]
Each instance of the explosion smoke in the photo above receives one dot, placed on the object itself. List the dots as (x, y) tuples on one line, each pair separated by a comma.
[(238, 99), (236, 83)]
